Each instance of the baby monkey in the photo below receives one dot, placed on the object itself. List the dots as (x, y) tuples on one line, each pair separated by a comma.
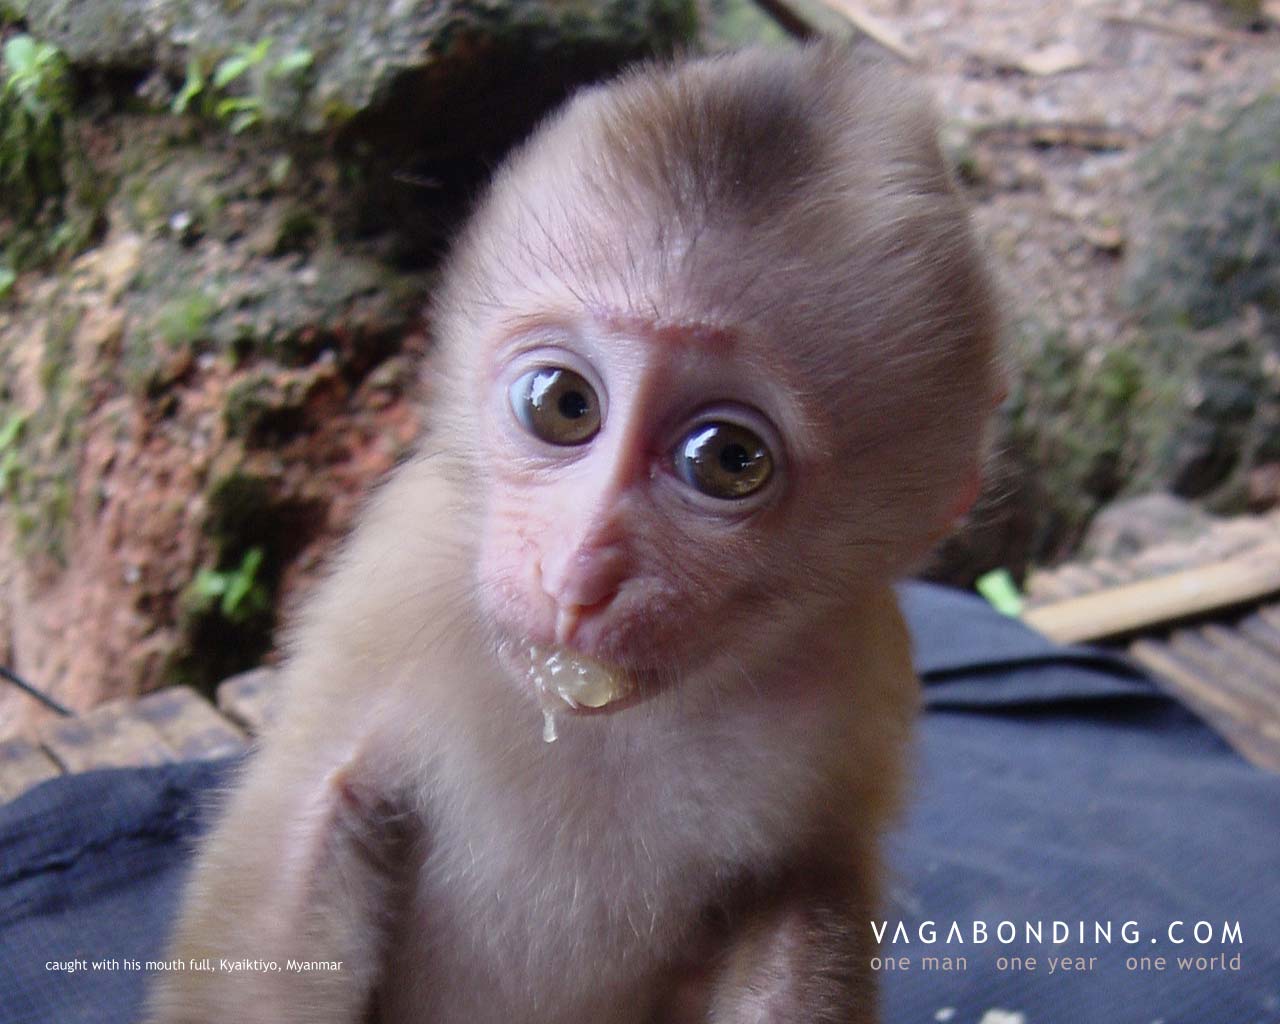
[(603, 708)]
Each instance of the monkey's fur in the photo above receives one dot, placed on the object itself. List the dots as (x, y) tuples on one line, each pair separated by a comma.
[(772, 230)]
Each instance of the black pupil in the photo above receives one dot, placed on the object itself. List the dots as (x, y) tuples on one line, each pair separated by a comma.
[(734, 458), (573, 405)]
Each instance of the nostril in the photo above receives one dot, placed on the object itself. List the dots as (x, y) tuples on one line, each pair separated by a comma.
[(568, 616), (588, 579)]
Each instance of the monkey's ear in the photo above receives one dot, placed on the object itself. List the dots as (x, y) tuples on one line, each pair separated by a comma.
[(965, 496), (1000, 390)]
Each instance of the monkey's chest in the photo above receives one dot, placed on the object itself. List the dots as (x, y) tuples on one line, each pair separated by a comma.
[(556, 903)]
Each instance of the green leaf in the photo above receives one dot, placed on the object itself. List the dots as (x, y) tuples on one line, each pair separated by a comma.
[(231, 69), (20, 56), (236, 104), (244, 120), (209, 585), (291, 63), (1001, 592), (191, 88), (7, 279), (235, 594), (10, 466), (258, 53), (12, 430), (46, 54), (242, 596)]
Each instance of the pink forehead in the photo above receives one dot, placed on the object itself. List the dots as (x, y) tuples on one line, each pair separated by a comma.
[(698, 334)]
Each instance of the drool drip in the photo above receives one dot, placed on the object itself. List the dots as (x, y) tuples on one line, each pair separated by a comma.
[(563, 678)]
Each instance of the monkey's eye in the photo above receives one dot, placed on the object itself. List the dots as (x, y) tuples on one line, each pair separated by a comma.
[(723, 460), (556, 405)]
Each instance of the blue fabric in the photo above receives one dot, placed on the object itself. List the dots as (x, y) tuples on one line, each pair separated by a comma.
[(1053, 785), (1060, 785)]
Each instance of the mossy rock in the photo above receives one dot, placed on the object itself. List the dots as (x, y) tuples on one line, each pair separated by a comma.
[(1227, 420), (1081, 427), (1206, 231), (361, 54), (1204, 280)]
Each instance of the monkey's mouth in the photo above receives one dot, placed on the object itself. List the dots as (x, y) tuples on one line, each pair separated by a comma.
[(567, 680), (573, 679)]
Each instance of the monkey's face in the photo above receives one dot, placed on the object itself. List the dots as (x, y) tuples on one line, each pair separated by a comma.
[(723, 358), (653, 497)]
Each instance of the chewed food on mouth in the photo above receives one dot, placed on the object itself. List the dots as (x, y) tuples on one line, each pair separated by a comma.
[(563, 678)]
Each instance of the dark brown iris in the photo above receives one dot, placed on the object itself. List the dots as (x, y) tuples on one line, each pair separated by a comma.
[(556, 405), (723, 460)]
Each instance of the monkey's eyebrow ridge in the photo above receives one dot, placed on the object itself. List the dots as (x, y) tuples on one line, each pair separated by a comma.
[(704, 334)]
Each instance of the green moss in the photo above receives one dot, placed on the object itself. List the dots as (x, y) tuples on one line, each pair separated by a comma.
[(1209, 207), (246, 403), (239, 503), (50, 197), (184, 321), (337, 112), (11, 467), (40, 445), (25, 521), (35, 101), (298, 232), (1091, 422), (735, 23), (13, 11), (58, 353)]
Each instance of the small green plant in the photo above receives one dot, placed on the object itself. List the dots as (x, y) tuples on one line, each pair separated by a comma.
[(245, 86), (7, 280), (237, 594), (10, 435), (1001, 592), (35, 100)]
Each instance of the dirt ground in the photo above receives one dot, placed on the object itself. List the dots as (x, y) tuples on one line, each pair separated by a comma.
[(1049, 103)]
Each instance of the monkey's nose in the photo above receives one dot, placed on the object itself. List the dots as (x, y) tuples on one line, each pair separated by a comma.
[(581, 585)]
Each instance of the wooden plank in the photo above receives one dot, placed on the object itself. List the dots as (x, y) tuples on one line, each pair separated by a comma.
[(1043, 587), (1078, 580), (109, 736), (1261, 630), (189, 723), (1258, 669), (1260, 745), (248, 699), (22, 765), (1270, 613), (1141, 605), (1231, 679)]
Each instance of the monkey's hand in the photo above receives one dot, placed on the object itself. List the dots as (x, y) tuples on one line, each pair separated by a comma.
[(291, 904)]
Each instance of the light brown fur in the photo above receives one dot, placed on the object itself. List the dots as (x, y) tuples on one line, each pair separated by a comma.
[(772, 230)]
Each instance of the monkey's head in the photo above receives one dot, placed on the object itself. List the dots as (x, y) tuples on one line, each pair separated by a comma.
[(717, 354)]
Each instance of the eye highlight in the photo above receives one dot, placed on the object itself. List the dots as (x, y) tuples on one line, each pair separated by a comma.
[(556, 405), (723, 460)]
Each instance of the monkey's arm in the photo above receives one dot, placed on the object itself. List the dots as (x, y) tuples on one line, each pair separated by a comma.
[(805, 960), (291, 901)]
